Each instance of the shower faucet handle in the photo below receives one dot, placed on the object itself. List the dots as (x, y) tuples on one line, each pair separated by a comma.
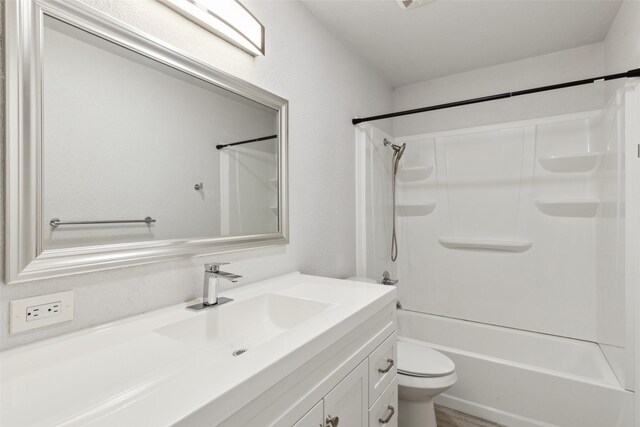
[(387, 280)]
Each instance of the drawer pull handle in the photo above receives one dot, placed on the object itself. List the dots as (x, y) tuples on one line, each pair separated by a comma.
[(388, 418), (388, 368)]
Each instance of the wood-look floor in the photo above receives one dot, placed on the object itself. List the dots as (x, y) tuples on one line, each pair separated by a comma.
[(446, 417)]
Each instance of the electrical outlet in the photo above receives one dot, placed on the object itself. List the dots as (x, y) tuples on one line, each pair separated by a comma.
[(37, 312), (43, 310)]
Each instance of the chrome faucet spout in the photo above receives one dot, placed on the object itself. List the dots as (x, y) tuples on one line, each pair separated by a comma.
[(233, 278), (212, 274)]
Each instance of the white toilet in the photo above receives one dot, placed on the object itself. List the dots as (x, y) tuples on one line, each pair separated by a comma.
[(423, 373)]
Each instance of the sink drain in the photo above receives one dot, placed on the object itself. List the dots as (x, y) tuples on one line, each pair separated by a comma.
[(239, 352)]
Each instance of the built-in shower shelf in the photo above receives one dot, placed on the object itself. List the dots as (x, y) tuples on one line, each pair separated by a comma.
[(581, 208), (415, 209), (414, 174), (274, 209), (583, 162), (485, 244), (274, 183)]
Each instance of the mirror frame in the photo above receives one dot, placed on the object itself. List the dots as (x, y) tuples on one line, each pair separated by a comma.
[(25, 259)]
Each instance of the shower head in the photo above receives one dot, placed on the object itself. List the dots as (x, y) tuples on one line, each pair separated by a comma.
[(395, 147), (398, 149)]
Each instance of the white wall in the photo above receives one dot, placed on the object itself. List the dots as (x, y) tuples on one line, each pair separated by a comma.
[(622, 44), (326, 86), (574, 64)]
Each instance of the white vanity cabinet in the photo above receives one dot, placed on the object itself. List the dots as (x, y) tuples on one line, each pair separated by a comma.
[(382, 367), (368, 396), (314, 348), (352, 383), (347, 404), (313, 418), (384, 412)]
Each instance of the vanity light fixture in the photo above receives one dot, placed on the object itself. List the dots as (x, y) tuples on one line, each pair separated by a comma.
[(227, 19)]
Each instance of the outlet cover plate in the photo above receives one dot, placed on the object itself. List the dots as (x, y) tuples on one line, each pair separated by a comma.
[(18, 311)]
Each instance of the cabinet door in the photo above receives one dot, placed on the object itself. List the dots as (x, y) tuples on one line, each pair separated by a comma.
[(348, 403), (313, 418)]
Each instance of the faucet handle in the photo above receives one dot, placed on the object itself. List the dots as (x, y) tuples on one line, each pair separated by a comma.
[(214, 267), (387, 280)]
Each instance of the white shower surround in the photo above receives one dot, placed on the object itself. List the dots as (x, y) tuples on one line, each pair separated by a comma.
[(575, 284), (487, 186)]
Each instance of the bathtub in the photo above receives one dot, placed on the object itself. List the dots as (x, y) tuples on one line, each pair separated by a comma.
[(523, 379)]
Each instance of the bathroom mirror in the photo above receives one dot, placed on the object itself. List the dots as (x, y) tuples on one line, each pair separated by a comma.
[(124, 151)]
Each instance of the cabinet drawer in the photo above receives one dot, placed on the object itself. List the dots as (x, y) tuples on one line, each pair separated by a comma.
[(384, 412), (382, 367)]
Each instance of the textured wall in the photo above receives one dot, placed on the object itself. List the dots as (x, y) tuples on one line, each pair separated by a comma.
[(573, 64), (622, 45), (326, 85)]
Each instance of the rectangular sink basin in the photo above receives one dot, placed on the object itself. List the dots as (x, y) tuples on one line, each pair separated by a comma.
[(243, 325)]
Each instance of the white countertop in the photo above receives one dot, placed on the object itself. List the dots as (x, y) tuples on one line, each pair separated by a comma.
[(127, 373)]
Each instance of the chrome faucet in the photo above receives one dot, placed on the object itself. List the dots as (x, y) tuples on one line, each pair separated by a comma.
[(212, 274), (387, 280)]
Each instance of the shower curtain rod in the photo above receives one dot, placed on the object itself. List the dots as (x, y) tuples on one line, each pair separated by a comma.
[(628, 74), (264, 138)]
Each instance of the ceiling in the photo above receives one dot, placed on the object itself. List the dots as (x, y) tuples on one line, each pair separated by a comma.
[(452, 36)]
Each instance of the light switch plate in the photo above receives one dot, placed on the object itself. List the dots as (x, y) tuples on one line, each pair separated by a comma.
[(19, 311)]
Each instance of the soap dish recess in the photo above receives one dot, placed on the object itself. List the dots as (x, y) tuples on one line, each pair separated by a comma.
[(486, 244), (415, 209), (414, 174), (581, 208), (570, 163)]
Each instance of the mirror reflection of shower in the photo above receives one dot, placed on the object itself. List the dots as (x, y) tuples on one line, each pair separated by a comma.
[(398, 151)]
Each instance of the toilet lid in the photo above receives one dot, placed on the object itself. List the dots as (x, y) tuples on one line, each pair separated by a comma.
[(418, 360)]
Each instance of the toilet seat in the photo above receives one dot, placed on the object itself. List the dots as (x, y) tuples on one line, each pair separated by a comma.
[(418, 360), (424, 386)]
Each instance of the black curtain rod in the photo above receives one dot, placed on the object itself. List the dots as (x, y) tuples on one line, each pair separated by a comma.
[(264, 138), (628, 74)]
